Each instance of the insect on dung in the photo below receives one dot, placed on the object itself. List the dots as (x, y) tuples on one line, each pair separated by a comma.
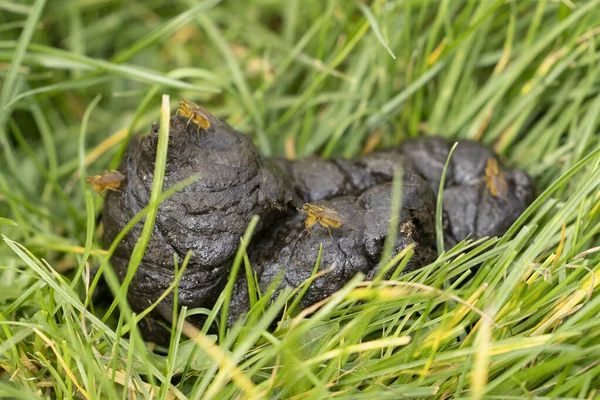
[(108, 180), (325, 216), (495, 180), (196, 114)]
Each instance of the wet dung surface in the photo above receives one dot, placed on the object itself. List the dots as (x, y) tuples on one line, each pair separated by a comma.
[(470, 207), (208, 217), (481, 198)]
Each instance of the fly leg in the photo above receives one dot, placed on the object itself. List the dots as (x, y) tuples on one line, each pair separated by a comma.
[(188, 122), (326, 225)]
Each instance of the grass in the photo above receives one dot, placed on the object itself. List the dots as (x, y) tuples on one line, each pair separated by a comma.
[(334, 78)]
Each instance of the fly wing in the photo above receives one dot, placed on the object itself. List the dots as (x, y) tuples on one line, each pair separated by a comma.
[(331, 222), (113, 176), (332, 215), (204, 113), (500, 185)]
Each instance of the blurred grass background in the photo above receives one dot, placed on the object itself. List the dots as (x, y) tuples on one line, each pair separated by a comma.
[(333, 78)]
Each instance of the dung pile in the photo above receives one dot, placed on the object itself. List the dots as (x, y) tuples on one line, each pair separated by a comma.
[(481, 198)]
